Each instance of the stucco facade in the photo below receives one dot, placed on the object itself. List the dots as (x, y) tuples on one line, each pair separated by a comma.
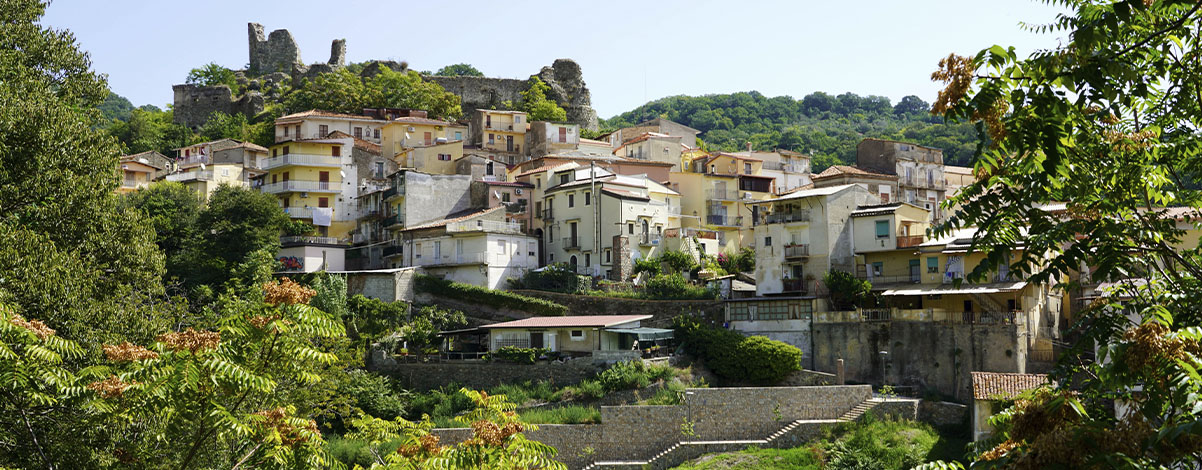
[(481, 249), (919, 170)]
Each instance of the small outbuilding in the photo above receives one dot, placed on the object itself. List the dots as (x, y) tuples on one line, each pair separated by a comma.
[(991, 389), (576, 334)]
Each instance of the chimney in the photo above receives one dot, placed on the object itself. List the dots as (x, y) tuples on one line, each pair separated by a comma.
[(622, 267)]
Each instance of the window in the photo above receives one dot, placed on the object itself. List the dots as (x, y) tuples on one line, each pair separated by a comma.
[(588, 198), (491, 139), (323, 130), (297, 131), (933, 264), (767, 241), (379, 169), (877, 268), (608, 256), (538, 183), (458, 135), (571, 200), (551, 257), (630, 228), (577, 335), (375, 134), (588, 259), (428, 138), (488, 123), (285, 131), (563, 179), (285, 150), (504, 197), (417, 251), (746, 168), (275, 152), (358, 132), (285, 177), (882, 229), (336, 151), (323, 202)]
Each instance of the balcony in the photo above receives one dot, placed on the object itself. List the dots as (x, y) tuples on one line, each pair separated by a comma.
[(902, 279), (131, 183), (571, 243), (392, 221), (299, 212), (650, 239), (548, 215), (722, 195), (724, 221), (393, 250), (297, 159), (788, 217), (307, 240), (908, 241), (393, 192), (298, 186), (797, 251), (191, 176), (463, 258), (484, 226), (193, 160), (371, 212), (793, 286)]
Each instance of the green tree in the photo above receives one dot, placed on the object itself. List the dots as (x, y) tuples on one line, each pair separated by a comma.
[(459, 70), (847, 291), (1106, 124), (536, 104), (370, 318), (116, 107), (172, 210), (211, 74), (343, 91), (237, 226), (422, 330), (150, 129)]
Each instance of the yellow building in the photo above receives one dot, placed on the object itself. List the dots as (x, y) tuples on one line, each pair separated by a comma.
[(137, 172), (428, 145), (716, 190), (307, 176), (501, 135)]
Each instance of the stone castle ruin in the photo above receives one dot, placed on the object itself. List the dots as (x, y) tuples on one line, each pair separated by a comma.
[(275, 59)]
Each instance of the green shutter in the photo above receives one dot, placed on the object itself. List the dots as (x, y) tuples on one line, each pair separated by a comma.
[(882, 229), (933, 264)]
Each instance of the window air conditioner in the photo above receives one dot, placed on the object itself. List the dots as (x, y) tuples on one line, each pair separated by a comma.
[(304, 195), (412, 129)]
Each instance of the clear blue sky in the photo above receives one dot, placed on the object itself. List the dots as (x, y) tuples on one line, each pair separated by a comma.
[(630, 51)]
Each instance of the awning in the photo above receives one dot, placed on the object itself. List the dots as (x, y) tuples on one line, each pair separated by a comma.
[(965, 288), (644, 334)]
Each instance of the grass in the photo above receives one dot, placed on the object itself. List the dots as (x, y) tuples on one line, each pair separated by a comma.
[(871, 443), (572, 414)]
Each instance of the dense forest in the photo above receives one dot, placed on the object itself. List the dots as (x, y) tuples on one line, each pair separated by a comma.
[(826, 127)]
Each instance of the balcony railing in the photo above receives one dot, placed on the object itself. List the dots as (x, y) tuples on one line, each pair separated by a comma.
[(299, 212), (788, 217), (464, 258), (303, 159), (392, 250), (307, 240), (391, 221), (300, 186), (193, 160), (571, 243), (724, 221), (722, 195), (793, 285), (797, 251), (903, 279), (548, 215), (131, 183), (191, 176), (484, 226), (908, 241), (650, 239), (393, 192)]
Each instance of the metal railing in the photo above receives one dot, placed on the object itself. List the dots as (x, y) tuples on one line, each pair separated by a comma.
[(1042, 355), (300, 186), (463, 258), (902, 279), (193, 160), (308, 240), (548, 215), (722, 195), (797, 251), (191, 176), (392, 220), (650, 238), (299, 212), (393, 192), (723, 220), (908, 241), (571, 243), (484, 226), (793, 285), (788, 217), (302, 159), (392, 250)]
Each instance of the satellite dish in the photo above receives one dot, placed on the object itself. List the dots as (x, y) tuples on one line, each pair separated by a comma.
[(406, 135), (342, 173)]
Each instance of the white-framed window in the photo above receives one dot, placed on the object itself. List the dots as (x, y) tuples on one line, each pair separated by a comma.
[(577, 335)]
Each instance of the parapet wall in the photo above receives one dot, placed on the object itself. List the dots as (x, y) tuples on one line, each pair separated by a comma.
[(482, 375)]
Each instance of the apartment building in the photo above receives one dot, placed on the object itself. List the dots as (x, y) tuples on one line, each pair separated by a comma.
[(686, 135), (595, 221), (791, 170), (919, 170), (545, 137), (415, 198), (317, 124), (204, 166), (716, 191), (801, 236), (500, 135), (427, 145), (657, 171), (139, 170), (880, 185), (652, 146), (514, 196), (476, 247)]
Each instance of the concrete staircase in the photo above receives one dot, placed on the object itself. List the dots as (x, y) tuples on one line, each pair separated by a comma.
[(791, 435)]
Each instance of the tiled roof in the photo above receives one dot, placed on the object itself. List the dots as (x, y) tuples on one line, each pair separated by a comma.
[(508, 183), (327, 114), (583, 321), (640, 138), (442, 223), (542, 169), (501, 111), (361, 144), (740, 157), (1004, 385), (624, 194), (422, 120), (799, 188), (839, 170)]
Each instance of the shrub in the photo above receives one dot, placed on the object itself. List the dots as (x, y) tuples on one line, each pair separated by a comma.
[(647, 265), (574, 414), (555, 278), (526, 392), (847, 291), (518, 355), (741, 262), (485, 296), (372, 318), (376, 395), (624, 375), (675, 287), (735, 357), (588, 388), (444, 402), (677, 261)]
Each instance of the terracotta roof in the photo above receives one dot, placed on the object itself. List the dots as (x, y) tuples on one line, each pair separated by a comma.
[(642, 137), (359, 143), (422, 120), (901, 142), (799, 188), (621, 193), (251, 146), (507, 183), (444, 222), (501, 111), (541, 169), (840, 170), (1004, 385), (327, 114), (740, 157), (583, 321)]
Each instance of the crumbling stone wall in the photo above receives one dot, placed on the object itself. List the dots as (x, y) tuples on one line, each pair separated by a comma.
[(564, 77), (194, 103)]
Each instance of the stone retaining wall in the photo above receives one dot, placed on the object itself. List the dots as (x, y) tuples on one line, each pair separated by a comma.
[(662, 310), (942, 413), (484, 375)]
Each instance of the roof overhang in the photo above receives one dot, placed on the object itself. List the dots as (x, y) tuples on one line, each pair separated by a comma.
[(947, 289)]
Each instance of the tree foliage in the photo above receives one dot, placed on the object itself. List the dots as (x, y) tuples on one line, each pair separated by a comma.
[(537, 106), (345, 92), (824, 126), (237, 227), (847, 291), (148, 128), (459, 70), (1107, 124), (211, 74)]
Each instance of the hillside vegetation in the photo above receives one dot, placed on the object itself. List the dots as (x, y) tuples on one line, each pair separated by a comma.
[(825, 126)]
